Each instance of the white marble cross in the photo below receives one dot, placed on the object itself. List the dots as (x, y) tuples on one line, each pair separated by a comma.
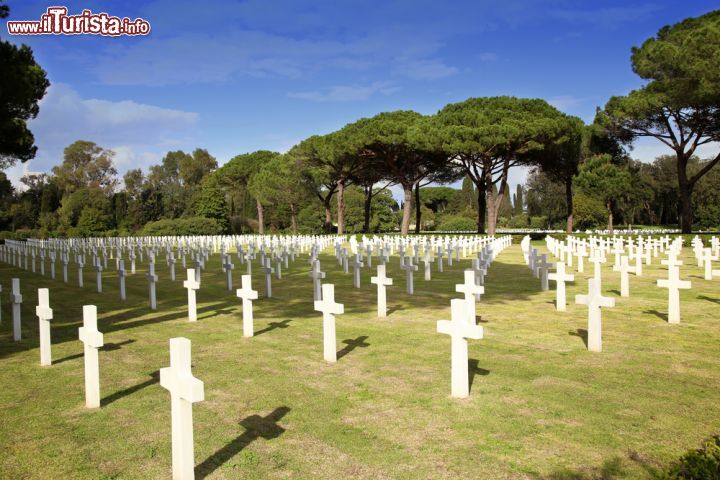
[(93, 340), (624, 270), (581, 253), (381, 281), (16, 300), (316, 276), (98, 274), (171, 264), (459, 331), (674, 284), (543, 269), (427, 260), (329, 309), (561, 277), (410, 270), (80, 265), (597, 260), (121, 276), (248, 295), (184, 391), (471, 291), (44, 314), (268, 271), (191, 284), (152, 279), (638, 261), (357, 265), (228, 266), (707, 257), (594, 300)]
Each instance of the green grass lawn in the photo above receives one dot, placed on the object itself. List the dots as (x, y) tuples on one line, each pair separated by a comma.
[(541, 406)]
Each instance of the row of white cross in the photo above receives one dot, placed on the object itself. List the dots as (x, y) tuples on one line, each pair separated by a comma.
[(185, 389), (640, 249)]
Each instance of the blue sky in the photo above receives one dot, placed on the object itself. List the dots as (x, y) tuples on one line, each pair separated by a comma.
[(237, 76)]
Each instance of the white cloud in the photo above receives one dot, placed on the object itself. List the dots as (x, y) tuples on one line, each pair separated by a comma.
[(487, 56), (426, 69), (138, 133), (347, 93), (565, 102), (648, 149)]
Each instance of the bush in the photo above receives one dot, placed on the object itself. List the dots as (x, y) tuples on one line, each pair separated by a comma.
[(519, 221), (183, 226), (700, 464), (20, 234), (540, 222), (588, 212), (457, 223)]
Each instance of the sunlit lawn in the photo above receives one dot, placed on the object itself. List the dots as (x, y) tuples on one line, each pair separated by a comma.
[(541, 405)]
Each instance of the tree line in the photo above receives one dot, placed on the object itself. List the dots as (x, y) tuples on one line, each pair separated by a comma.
[(328, 182)]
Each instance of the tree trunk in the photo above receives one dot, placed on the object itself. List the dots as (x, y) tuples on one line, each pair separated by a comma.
[(368, 204), (482, 205), (685, 193), (686, 213), (418, 212), (261, 218), (493, 200), (569, 201), (341, 207), (407, 209), (328, 213), (293, 219), (608, 204)]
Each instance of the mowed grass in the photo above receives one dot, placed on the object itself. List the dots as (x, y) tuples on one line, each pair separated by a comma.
[(541, 405)]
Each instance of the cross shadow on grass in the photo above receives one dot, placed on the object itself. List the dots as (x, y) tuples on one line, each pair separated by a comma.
[(351, 344), (108, 347), (255, 427), (474, 369), (154, 378), (660, 315), (582, 333), (611, 469), (274, 326), (709, 299)]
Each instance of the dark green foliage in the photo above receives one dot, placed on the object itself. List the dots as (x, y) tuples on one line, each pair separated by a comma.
[(209, 202), (183, 226), (457, 224), (491, 135), (437, 199), (519, 200), (22, 84), (92, 223), (699, 464), (468, 195), (546, 197), (680, 104), (590, 212)]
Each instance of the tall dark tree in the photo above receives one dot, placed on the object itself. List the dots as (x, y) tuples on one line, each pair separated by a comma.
[(86, 165), (393, 143), (519, 201), (560, 160), (489, 136), (22, 84), (313, 158), (599, 177), (680, 104), (240, 170)]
